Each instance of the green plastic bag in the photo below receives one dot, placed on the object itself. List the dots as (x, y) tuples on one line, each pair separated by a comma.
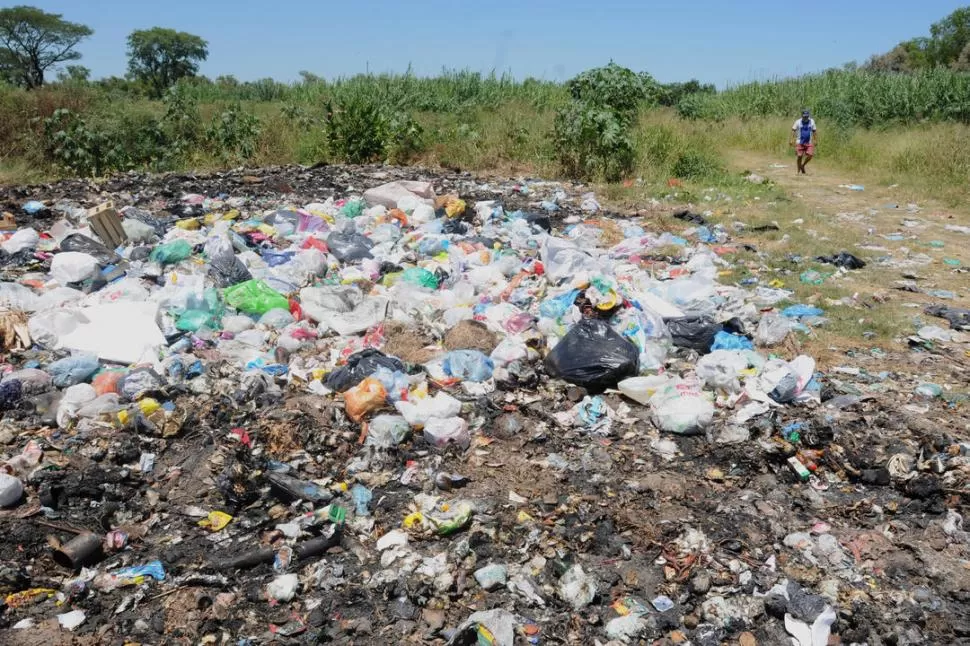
[(255, 297), (420, 277), (205, 313), (352, 209), (171, 252)]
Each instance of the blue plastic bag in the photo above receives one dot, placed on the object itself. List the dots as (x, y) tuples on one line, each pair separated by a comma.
[(556, 306), (468, 365), (799, 311), (72, 370), (727, 341)]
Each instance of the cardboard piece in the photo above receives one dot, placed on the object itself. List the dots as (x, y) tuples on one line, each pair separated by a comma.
[(106, 224)]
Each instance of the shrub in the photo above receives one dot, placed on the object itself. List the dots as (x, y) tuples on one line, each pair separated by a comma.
[(71, 144), (404, 137), (613, 88), (692, 164), (234, 134), (355, 130), (592, 142)]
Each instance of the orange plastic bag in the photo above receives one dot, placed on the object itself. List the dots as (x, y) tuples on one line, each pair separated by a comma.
[(365, 397), (108, 381)]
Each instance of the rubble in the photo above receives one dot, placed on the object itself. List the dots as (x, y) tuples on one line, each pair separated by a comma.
[(367, 405)]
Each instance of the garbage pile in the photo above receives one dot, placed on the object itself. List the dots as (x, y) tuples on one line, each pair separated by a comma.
[(367, 405)]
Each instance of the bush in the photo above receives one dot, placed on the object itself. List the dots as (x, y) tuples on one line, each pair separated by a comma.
[(234, 134), (692, 164), (592, 142), (361, 130), (613, 88), (70, 143)]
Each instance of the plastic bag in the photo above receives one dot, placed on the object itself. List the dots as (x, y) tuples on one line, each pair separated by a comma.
[(171, 252), (468, 365), (387, 431), (843, 259), (73, 266), (137, 231), (401, 195), (642, 389), (349, 247), (694, 333), (681, 407), (361, 365), (593, 355), (365, 397), (441, 432), (784, 381), (72, 370), (108, 381), (277, 318), (395, 383), (772, 330), (84, 244), (255, 297), (420, 277), (140, 382), (721, 369), (419, 411), (32, 380), (228, 271), (74, 398), (727, 341), (22, 239)]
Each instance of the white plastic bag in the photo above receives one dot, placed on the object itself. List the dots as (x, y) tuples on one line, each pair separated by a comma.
[(392, 194), (72, 267), (683, 408), (22, 239), (721, 369), (772, 330), (419, 411)]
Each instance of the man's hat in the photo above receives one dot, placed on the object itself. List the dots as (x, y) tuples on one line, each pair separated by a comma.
[(806, 113)]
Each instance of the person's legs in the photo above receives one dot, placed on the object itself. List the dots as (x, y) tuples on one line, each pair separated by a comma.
[(808, 158), (799, 163)]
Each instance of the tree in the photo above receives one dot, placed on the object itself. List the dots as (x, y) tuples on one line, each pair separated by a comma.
[(159, 57), (950, 36), (907, 56), (74, 74), (32, 41)]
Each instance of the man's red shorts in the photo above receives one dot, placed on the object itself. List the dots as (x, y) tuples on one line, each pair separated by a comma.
[(805, 149)]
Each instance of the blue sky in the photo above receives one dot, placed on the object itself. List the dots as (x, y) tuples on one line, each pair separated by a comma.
[(726, 41)]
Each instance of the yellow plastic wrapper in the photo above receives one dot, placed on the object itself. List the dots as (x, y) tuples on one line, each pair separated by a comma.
[(192, 224), (148, 405), (216, 521), (455, 208)]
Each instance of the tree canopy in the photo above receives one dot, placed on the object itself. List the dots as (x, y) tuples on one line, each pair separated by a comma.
[(32, 41), (159, 57), (947, 46)]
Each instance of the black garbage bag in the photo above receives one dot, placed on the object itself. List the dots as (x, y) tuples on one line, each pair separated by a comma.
[(959, 318), (842, 259), (540, 220), (348, 247), (90, 246), (360, 366), (228, 271), (593, 355), (454, 226), (697, 332), (692, 218)]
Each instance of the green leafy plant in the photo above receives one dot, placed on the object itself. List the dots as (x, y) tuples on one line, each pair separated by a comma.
[(692, 164), (403, 137), (593, 143), (70, 143), (234, 134), (613, 88), (355, 130)]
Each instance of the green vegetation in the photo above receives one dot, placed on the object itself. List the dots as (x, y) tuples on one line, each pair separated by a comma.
[(607, 124), (947, 46), (845, 97), (32, 41), (158, 57)]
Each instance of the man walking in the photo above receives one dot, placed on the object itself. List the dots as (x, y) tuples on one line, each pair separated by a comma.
[(806, 134)]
